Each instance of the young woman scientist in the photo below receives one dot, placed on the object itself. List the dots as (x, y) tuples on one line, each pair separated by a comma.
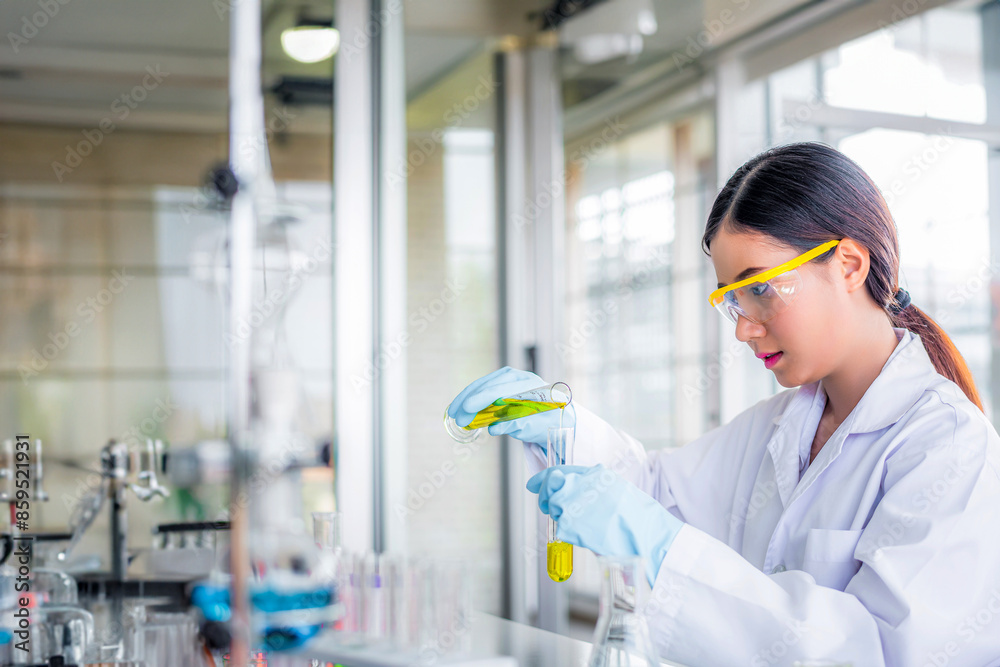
[(854, 516)]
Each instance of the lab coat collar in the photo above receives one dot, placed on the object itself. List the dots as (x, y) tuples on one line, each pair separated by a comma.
[(903, 379), (791, 440)]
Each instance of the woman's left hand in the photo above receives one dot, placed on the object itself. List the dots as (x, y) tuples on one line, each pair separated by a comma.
[(598, 510)]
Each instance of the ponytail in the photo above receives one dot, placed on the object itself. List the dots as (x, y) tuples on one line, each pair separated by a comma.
[(943, 354)]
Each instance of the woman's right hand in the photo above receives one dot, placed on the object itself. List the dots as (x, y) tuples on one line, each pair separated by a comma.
[(498, 384)]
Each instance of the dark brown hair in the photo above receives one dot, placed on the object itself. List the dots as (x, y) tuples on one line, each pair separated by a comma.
[(805, 194)]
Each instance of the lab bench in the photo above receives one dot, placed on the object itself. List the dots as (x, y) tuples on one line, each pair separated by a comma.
[(494, 642)]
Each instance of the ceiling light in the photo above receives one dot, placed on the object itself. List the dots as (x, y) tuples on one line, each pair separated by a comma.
[(594, 49), (608, 30), (310, 43), (646, 22)]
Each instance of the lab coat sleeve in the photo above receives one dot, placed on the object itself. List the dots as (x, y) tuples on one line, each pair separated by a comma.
[(598, 442), (927, 591)]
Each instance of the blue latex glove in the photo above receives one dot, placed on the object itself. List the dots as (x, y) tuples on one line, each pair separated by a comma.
[(598, 510), (506, 382)]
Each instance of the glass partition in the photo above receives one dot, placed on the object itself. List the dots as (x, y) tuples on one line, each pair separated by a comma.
[(637, 349), (453, 506)]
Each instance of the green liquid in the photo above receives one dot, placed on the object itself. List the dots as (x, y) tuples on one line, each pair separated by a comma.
[(506, 409)]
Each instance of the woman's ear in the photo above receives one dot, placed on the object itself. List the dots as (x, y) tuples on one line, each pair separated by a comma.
[(854, 262)]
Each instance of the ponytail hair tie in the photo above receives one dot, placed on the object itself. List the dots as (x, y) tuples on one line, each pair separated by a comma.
[(901, 301)]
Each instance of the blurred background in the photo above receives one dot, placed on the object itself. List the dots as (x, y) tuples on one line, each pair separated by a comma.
[(529, 181)]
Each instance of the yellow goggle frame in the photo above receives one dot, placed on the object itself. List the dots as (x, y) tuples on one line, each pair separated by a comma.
[(715, 298)]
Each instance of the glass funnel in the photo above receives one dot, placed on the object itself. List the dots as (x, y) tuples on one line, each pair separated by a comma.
[(621, 637)]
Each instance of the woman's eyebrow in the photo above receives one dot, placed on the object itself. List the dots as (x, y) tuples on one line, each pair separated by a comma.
[(746, 273)]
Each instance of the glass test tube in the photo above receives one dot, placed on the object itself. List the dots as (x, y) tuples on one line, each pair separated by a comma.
[(335, 567), (559, 555), (523, 404)]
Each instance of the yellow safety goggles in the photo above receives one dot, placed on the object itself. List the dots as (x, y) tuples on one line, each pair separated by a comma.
[(761, 297)]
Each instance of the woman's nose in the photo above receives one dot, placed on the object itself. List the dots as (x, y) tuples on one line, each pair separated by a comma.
[(747, 329)]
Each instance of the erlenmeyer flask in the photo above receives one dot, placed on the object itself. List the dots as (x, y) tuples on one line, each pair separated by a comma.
[(542, 399), (621, 638)]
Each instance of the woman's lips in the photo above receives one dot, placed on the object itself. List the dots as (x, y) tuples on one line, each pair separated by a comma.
[(770, 361)]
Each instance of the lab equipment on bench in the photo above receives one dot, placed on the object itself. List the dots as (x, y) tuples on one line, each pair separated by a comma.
[(621, 636)]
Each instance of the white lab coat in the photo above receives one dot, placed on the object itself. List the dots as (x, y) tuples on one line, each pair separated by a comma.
[(884, 551)]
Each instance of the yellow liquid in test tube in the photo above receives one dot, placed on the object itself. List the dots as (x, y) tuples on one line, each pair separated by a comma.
[(559, 560)]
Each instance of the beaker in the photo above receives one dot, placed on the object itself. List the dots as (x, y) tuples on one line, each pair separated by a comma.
[(330, 568), (54, 587), (326, 530), (169, 638), (452, 607), (558, 554), (523, 404), (621, 637), (67, 631)]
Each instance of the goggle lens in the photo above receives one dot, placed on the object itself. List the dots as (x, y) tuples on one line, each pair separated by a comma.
[(759, 302)]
